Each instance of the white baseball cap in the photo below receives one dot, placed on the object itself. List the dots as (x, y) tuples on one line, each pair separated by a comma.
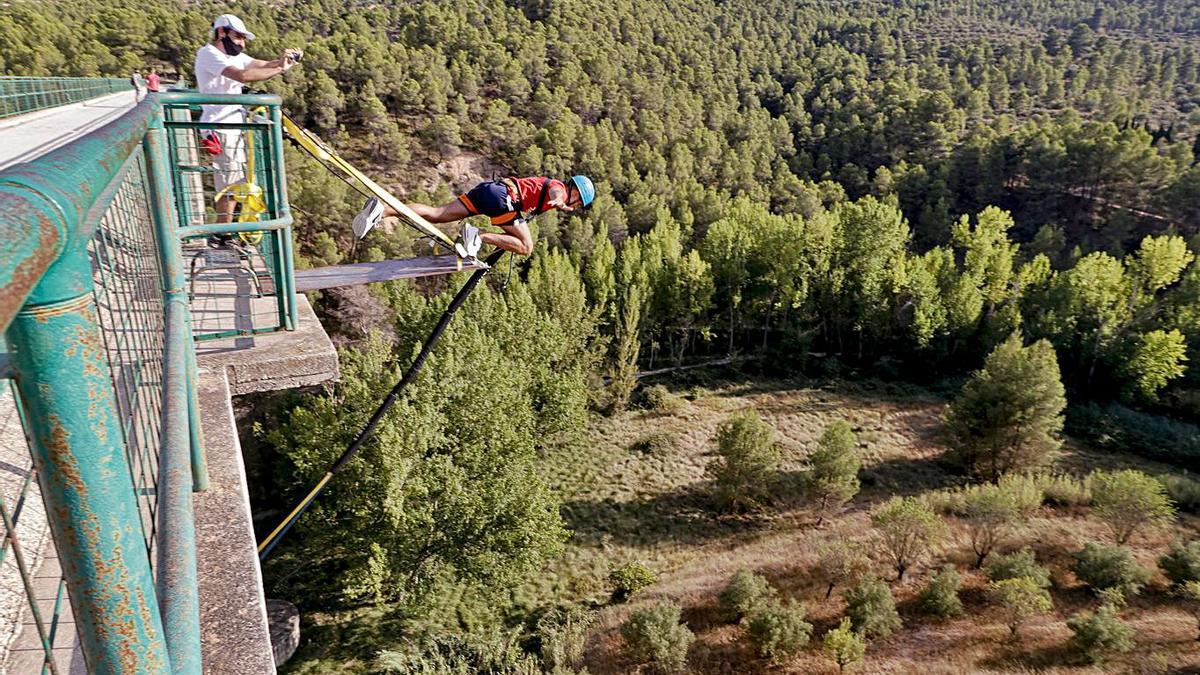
[(233, 23)]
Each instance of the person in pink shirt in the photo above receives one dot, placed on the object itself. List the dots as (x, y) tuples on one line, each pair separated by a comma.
[(509, 202), (152, 81)]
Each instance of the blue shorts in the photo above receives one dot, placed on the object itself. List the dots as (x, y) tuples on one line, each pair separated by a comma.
[(491, 199)]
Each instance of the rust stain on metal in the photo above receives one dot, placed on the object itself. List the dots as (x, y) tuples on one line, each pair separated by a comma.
[(27, 273), (58, 445)]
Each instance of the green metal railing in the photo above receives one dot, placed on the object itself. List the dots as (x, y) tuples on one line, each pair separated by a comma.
[(255, 264), (20, 95), (95, 300)]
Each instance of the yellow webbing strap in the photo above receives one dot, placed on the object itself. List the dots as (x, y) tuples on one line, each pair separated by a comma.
[(313, 145)]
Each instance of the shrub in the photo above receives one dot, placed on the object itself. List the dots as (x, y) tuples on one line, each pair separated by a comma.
[(1100, 567), (907, 529), (745, 468), (1183, 491), (833, 479), (842, 562), (1101, 633), (563, 634), (1007, 417), (629, 579), (1021, 599), (1191, 596), (452, 655), (844, 646), (655, 634), (940, 597), (1065, 490), (990, 513), (655, 443), (1019, 565), (1181, 563), (1130, 500), (660, 400), (872, 609), (1024, 492), (945, 502), (779, 629), (745, 592)]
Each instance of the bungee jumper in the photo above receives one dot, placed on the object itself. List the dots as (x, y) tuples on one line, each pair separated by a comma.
[(510, 203)]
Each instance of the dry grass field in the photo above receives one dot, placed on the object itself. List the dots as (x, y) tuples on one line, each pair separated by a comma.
[(636, 491)]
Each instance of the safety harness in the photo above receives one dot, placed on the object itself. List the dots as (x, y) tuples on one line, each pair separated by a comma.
[(539, 206)]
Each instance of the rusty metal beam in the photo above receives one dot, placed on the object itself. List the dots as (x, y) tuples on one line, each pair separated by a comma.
[(49, 210)]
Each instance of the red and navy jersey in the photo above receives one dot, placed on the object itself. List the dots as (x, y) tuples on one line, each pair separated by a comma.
[(503, 200), (533, 195)]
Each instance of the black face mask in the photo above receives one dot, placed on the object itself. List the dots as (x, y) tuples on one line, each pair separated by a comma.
[(231, 48)]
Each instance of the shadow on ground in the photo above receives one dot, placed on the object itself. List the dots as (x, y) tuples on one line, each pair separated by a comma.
[(684, 516)]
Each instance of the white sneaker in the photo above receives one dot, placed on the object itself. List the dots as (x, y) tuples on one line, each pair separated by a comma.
[(469, 242), (368, 218)]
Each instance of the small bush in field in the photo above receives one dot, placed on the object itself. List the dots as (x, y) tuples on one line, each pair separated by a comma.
[(842, 562), (656, 634), (844, 645), (1019, 565), (629, 579), (1183, 490), (746, 466), (1064, 490), (907, 529), (1100, 634), (1191, 595), (940, 597), (1025, 493), (833, 479), (990, 513), (1129, 501), (563, 634), (872, 609), (660, 400), (1101, 566), (944, 502), (1181, 563), (779, 629), (1021, 599), (745, 592), (655, 443)]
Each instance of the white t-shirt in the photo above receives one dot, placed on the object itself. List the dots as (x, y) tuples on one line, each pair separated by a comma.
[(210, 63)]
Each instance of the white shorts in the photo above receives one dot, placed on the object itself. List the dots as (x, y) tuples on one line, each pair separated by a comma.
[(229, 167)]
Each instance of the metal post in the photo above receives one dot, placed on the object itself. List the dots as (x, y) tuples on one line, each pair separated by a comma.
[(67, 393), (287, 281), (174, 281), (178, 594)]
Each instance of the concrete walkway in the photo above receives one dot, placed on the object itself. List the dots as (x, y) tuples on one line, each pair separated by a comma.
[(26, 137)]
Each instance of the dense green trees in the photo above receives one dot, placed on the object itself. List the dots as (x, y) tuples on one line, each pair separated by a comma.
[(797, 176), (449, 487), (901, 188)]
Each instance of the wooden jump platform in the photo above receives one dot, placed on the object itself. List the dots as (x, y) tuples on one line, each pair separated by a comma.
[(387, 270)]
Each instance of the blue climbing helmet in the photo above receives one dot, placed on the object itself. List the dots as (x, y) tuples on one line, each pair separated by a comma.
[(587, 191)]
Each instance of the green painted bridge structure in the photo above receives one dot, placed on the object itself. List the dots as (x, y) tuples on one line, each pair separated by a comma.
[(101, 237)]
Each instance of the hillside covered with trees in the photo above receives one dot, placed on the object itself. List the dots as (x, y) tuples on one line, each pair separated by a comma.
[(946, 252)]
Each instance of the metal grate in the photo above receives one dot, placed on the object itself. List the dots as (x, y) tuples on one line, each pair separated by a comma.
[(128, 290), (36, 632), (19, 95)]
